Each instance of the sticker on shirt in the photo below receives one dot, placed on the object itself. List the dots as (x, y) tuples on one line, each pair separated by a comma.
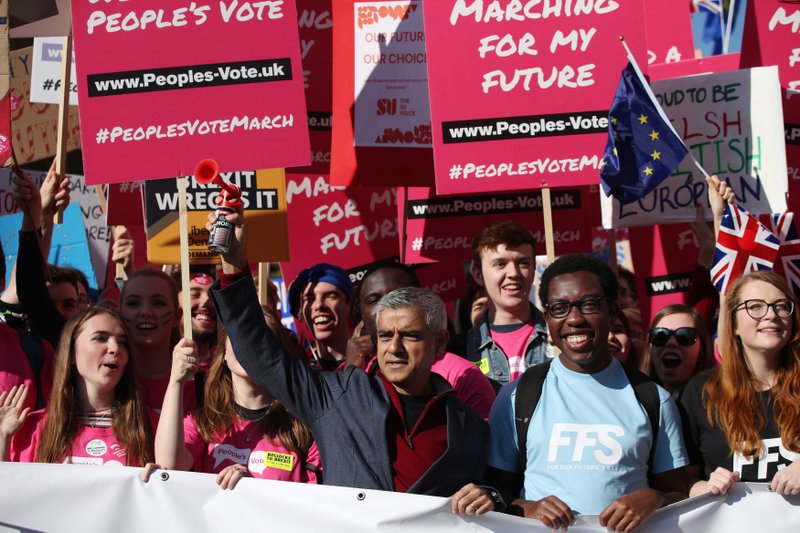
[(483, 364), (96, 448), (585, 447), (774, 457), (231, 453), (91, 461), (281, 461)]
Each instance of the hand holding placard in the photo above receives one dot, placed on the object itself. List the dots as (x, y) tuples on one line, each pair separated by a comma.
[(207, 171)]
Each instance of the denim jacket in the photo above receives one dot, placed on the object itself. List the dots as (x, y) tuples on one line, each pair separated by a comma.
[(478, 347)]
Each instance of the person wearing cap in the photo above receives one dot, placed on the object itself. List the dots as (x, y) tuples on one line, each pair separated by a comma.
[(402, 429), (320, 298)]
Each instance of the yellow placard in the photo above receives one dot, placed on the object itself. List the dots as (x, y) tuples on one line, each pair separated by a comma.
[(483, 364)]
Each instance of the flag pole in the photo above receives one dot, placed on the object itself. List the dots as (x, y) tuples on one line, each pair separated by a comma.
[(726, 35), (664, 116)]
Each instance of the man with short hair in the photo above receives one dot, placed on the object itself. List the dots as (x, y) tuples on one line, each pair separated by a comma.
[(511, 335), (401, 429), (202, 311), (603, 440)]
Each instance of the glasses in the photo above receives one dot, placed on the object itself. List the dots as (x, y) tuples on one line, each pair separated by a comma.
[(757, 309), (684, 336), (561, 308)]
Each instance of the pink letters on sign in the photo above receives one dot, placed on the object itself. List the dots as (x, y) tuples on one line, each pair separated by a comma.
[(163, 84), (669, 31), (520, 97)]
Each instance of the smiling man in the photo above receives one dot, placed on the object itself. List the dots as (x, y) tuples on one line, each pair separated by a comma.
[(605, 440), (511, 335)]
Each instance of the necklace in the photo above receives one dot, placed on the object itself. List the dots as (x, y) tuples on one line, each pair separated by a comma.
[(95, 419), (254, 416)]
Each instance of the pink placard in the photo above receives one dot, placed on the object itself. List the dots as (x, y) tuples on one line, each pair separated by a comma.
[(125, 204), (520, 98), (669, 31), (346, 226), (448, 280), (692, 67), (163, 84), (441, 228)]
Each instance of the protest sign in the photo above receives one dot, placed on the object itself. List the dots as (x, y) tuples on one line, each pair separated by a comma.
[(35, 126), (125, 204), (182, 82), (520, 97), (345, 226), (46, 73), (97, 232), (5, 85), (263, 195), (669, 31), (40, 18), (447, 279), (69, 246), (732, 123), (442, 228), (692, 67), (315, 23), (381, 120)]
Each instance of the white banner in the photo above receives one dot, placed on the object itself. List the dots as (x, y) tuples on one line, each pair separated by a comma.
[(54, 498), (732, 123), (46, 73)]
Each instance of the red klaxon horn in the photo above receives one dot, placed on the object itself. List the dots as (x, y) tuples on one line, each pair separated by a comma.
[(207, 171)]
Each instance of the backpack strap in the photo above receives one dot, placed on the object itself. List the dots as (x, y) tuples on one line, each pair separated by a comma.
[(646, 392), (529, 390)]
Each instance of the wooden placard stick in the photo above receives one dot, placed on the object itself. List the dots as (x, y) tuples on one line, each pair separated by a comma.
[(63, 113), (549, 242), (183, 225), (263, 279)]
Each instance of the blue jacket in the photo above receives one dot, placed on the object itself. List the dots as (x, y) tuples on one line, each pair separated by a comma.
[(347, 411)]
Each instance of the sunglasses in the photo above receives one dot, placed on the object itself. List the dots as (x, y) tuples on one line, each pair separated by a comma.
[(684, 336)]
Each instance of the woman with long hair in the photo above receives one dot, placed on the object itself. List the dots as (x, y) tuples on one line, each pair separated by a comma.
[(94, 415), (240, 430), (742, 419), (678, 347)]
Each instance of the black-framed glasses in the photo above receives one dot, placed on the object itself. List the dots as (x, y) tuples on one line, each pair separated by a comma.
[(757, 308), (589, 305), (685, 336)]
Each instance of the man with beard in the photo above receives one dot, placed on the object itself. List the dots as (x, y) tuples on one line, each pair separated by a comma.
[(204, 314)]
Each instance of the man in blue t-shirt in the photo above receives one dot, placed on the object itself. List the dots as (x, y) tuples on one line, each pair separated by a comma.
[(589, 440)]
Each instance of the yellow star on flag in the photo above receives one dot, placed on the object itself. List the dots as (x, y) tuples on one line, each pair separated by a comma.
[(642, 119), (654, 135), (615, 152), (614, 121), (648, 171), (655, 155), (603, 163)]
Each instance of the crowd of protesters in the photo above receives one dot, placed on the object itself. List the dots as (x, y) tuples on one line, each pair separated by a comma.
[(574, 407)]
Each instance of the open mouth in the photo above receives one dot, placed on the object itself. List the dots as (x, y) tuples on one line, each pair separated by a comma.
[(671, 360), (202, 317), (323, 320), (111, 366), (578, 342), (146, 326)]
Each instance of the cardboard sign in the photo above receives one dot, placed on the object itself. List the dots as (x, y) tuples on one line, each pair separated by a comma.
[(5, 83), (732, 123), (69, 246), (315, 22), (42, 18), (669, 31), (46, 75), (35, 126), (264, 200), (125, 204), (520, 97), (345, 226), (380, 107), (183, 82), (442, 228)]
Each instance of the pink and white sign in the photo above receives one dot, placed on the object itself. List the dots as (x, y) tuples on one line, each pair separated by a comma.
[(345, 226), (669, 31), (166, 83), (520, 95), (441, 228)]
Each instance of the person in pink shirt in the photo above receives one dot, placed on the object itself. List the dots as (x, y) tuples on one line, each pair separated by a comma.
[(240, 430), (94, 415)]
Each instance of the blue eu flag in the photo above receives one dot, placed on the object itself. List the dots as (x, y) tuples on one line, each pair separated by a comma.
[(643, 149)]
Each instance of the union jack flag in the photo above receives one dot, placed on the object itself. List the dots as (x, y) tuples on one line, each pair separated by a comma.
[(708, 6), (787, 264), (743, 245)]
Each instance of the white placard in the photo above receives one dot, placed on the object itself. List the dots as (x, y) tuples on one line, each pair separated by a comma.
[(46, 73)]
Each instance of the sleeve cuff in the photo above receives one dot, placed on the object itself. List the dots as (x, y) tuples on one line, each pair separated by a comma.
[(226, 280)]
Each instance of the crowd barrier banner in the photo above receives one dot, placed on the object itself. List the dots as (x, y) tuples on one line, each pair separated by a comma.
[(669, 31), (164, 84), (733, 125), (315, 22), (264, 199), (346, 226), (55, 498), (441, 228), (530, 109), (381, 117), (46, 73), (35, 126)]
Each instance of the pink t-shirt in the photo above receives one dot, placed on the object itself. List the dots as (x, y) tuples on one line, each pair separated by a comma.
[(92, 445), (15, 369), (153, 391), (513, 344), (244, 444), (471, 386)]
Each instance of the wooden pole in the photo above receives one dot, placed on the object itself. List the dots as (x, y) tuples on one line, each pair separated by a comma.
[(548, 225), (183, 225), (63, 113), (263, 279)]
